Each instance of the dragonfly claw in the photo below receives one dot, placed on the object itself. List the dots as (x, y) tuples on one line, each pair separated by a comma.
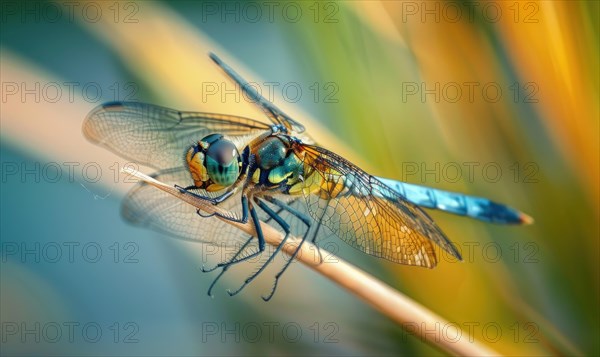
[(208, 270), (205, 216), (268, 297)]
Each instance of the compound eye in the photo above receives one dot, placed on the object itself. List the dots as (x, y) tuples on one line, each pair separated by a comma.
[(223, 152), (222, 162), (208, 140)]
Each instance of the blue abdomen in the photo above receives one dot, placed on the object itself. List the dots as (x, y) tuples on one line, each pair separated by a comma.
[(457, 203)]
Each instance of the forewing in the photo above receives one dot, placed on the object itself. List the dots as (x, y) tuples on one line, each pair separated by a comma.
[(150, 207), (274, 113), (365, 213), (159, 137)]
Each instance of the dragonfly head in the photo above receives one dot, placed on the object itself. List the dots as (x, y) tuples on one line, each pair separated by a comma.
[(214, 159)]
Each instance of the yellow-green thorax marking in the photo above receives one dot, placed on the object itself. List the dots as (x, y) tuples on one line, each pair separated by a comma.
[(276, 162)]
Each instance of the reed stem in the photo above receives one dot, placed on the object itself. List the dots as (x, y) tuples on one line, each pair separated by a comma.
[(412, 316)]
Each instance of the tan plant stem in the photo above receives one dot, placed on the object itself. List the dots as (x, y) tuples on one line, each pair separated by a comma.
[(412, 316)]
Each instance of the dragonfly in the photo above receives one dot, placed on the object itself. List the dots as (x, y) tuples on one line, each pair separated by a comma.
[(275, 173)]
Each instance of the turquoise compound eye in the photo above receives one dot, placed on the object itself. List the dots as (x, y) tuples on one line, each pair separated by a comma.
[(222, 162)]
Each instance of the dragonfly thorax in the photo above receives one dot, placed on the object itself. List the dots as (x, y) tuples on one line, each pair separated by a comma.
[(271, 152), (214, 162)]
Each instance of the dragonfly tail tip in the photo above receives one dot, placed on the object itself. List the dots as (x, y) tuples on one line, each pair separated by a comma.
[(525, 219)]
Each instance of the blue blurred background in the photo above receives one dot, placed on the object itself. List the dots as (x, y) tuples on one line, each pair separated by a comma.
[(496, 99)]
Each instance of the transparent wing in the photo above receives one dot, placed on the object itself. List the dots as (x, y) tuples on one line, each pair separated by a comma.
[(149, 207), (275, 114), (365, 213), (156, 136)]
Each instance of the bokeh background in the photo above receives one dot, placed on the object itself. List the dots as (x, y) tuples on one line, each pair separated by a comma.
[(418, 91)]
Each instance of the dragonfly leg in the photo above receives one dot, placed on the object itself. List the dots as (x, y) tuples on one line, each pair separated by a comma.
[(205, 270), (226, 267), (259, 235), (287, 264), (192, 187), (306, 220), (286, 229), (199, 213), (213, 200), (315, 233), (244, 218), (314, 238)]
